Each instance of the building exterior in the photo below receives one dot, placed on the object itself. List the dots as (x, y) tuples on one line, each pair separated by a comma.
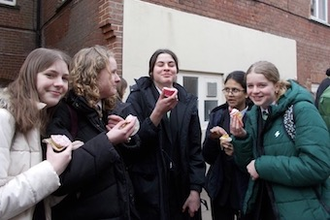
[(18, 35), (210, 37)]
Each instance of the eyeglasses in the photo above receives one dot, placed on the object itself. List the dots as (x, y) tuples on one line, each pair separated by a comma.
[(233, 91)]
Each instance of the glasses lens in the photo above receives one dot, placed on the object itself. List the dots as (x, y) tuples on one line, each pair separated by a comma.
[(233, 91)]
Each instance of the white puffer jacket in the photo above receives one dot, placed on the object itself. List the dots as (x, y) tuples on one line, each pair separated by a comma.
[(24, 178)]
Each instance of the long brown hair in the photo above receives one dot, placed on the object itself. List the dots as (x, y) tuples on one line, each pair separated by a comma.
[(121, 87), (23, 91), (84, 69)]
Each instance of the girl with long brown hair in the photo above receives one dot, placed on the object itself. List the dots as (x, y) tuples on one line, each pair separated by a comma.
[(25, 179)]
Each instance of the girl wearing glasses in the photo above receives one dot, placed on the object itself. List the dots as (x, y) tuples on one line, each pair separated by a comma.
[(226, 184)]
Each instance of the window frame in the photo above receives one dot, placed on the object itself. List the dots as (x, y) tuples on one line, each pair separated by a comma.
[(203, 79), (6, 2), (315, 11)]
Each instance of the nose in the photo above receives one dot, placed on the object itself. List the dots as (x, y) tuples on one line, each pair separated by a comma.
[(231, 93), (255, 89), (166, 66), (59, 81), (117, 78)]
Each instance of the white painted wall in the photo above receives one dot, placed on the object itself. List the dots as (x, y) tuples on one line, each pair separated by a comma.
[(201, 44)]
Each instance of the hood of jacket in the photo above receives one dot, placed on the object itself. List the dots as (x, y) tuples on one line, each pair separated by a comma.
[(4, 99)]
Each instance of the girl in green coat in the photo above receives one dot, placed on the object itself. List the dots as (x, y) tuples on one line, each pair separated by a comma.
[(286, 153)]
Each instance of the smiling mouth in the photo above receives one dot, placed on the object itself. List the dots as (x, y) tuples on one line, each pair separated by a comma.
[(257, 98), (56, 93)]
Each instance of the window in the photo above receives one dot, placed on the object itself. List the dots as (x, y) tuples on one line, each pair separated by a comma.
[(207, 87), (8, 2), (319, 10)]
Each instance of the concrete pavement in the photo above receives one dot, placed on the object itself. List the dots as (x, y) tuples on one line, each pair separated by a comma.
[(206, 214)]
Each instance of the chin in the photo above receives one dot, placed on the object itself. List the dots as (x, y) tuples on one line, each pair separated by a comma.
[(52, 102), (258, 103)]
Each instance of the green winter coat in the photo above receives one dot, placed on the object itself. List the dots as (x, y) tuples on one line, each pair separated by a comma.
[(295, 169)]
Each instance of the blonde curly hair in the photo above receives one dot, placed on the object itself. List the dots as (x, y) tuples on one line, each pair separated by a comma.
[(84, 69)]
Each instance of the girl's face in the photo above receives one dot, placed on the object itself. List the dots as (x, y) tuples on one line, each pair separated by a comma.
[(165, 70), (260, 90), (52, 83), (235, 94), (107, 81)]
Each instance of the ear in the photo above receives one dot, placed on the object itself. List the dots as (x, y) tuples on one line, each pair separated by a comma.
[(277, 87)]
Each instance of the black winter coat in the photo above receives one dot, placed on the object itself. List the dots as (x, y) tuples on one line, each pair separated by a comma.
[(170, 162), (96, 183), (225, 182)]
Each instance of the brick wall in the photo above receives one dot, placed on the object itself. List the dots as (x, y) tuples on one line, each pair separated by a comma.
[(78, 24), (287, 18), (81, 23), (18, 37)]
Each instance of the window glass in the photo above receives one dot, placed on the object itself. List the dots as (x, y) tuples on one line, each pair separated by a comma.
[(322, 10), (8, 2), (191, 84), (209, 105), (319, 10)]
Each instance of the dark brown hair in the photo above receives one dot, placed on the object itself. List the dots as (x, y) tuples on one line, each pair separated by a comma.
[(153, 58)]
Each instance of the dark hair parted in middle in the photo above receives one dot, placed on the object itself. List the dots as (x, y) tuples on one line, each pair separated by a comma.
[(239, 77), (154, 56)]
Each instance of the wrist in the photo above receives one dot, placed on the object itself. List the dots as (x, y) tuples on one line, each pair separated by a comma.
[(241, 135)]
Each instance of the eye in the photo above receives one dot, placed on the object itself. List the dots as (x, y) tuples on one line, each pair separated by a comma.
[(262, 85), (171, 64), (160, 64), (65, 78), (49, 75), (235, 90)]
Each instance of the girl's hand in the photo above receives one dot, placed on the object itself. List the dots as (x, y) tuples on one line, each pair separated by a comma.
[(122, 131), (236, 127), (113, 120), (252, 170), (59, 160), (227, 147), (163, 105), (193, 203), (216, 132)]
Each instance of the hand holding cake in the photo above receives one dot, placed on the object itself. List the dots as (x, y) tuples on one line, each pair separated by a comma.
[(237, 116), (225, 137), (58, 142), (169, 91), (129, 119)]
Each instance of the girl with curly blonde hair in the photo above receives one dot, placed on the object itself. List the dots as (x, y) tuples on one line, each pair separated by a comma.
[(97, 172)]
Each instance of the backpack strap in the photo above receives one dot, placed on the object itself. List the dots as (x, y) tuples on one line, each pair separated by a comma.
[(290, 128), (289, 124)]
